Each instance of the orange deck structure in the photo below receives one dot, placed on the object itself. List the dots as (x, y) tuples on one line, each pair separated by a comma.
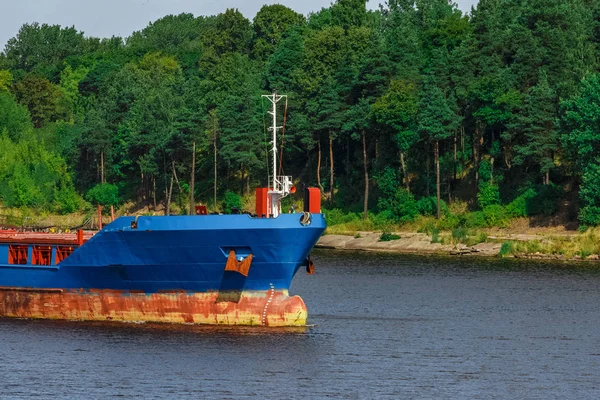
[(31, 238)]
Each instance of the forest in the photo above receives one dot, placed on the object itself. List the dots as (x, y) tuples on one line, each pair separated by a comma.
[(394, 113)]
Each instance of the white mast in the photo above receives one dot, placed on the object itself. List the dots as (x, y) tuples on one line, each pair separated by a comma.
[(280, 185)]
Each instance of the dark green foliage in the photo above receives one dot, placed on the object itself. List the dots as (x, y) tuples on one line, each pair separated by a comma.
[(428, 206), (476, 219), (104, 194), (522, 205), (270, 24), (43, 48), (589, 216), (338, 217), (387, 237), (582, 138), (546, 200), (42, 98), (232, 201), (401, 205), (15, 120)]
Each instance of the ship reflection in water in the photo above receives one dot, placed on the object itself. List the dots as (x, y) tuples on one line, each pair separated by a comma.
[(384, 327)]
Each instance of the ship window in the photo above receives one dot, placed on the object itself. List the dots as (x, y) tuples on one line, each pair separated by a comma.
[(63, 252), (17, 254), (41, 255)]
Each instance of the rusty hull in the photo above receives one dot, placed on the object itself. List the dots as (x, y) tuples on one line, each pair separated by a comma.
[(264, 308)]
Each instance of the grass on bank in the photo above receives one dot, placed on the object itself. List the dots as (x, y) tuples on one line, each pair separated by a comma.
[(582, 245)]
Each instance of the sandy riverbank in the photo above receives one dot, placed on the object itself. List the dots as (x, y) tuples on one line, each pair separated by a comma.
[(413, 243), (421, 243)]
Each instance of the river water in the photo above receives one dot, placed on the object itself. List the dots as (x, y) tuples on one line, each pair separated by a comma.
[(385, 326)]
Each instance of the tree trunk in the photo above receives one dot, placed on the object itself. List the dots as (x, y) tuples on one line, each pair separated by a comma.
[(176, 179), (427, 173), (170, 193), (477, 151), (154, 190), (404, 173), (192, 181), (215, 166), (142, 187), (366, 204), (102, 167), (547, 178), (331, 173), (455, 156), (247, 183), (437, 173), (492, 159), (319, 166), (347, 176), (242, 180), (462, 139)]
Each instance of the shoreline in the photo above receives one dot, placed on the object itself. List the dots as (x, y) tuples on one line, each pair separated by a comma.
[(421, 244)]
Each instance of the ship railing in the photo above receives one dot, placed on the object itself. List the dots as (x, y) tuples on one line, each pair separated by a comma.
[(283, 184)]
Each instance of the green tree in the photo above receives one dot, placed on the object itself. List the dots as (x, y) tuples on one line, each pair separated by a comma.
[(539, 125), (43, 48), (581, 123), (15, 121), (270, 24), (397, 109), (104, 194), (6, 79), (437, 122), (42, 98)]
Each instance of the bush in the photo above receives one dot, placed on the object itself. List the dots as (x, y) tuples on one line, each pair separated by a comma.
[(383, 220), (488, 194), (21, 190), (387, 236), (495, 215), (428, 206), (232, 200), (589, 216), (450, 221), (459, 235), (104, 194), (387, 182), (507, 249), (405, 207), (475, 219), (402, 206), (520, 205), (545, 201), (66, 200), (339, 217)]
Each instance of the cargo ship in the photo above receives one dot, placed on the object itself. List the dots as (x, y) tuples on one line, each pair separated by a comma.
[(196, 269)]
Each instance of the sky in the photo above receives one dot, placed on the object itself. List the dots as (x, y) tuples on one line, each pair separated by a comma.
[(106, 18)]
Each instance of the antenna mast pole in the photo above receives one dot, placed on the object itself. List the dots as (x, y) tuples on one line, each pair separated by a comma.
[(274, 99), (278, 189)]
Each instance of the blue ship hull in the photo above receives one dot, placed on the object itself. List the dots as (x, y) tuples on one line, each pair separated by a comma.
[(174, 254)]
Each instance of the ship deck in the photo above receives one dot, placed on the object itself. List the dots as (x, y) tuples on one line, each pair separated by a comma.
[(11, 236)]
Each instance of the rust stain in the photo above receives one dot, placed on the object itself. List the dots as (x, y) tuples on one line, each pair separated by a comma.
[(268, 308)]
